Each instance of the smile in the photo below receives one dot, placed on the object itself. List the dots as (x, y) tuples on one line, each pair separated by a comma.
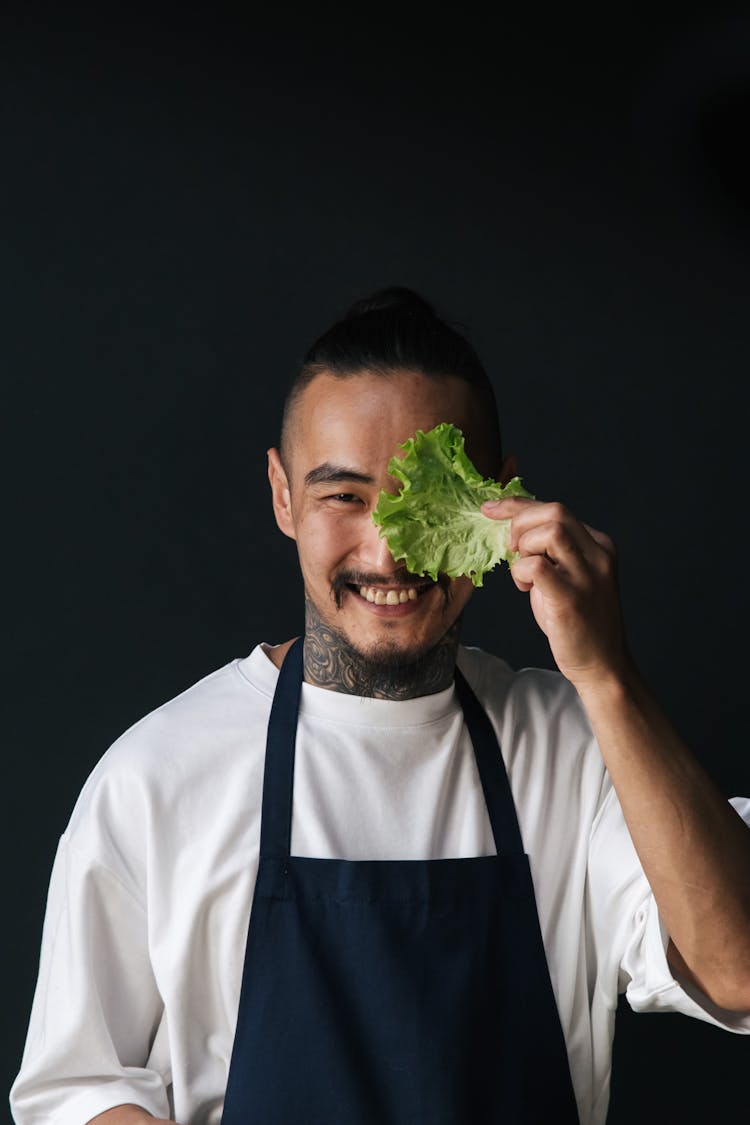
[(399, 596)]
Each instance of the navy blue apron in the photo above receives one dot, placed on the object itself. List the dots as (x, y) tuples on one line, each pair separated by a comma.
[(394, 992)]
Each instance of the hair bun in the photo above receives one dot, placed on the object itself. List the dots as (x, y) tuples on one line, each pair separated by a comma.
[(392, 298)]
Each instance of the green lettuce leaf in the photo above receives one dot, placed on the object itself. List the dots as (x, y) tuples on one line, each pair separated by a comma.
[(434, 523)]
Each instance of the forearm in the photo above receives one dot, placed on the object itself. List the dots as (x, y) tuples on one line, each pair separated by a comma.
[(694, 848), (126, 1115)]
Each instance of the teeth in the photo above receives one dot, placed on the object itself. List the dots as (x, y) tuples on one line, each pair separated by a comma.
[(390, 597)]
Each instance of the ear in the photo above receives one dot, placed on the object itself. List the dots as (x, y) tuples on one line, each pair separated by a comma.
[(509, 469), (282, 500)]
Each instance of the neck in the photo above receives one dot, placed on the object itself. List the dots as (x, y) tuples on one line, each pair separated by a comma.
[(330, 661)]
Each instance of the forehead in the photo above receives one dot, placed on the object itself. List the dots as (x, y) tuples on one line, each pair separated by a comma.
[(360, 420)]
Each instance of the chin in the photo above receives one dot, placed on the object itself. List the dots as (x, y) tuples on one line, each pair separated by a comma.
[(391, 654)]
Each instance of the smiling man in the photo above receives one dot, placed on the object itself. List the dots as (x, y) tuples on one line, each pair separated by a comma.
[(371, 627), (371, 875)]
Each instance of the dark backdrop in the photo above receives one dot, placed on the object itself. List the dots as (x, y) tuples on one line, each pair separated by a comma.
[(187, 199)]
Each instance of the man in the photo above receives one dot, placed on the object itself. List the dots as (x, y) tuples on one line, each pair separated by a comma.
[(449, 869)]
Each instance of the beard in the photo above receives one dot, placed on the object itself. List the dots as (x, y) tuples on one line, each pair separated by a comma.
[(383, 670)]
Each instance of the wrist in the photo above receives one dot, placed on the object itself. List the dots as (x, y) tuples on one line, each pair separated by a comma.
[(609, 689)]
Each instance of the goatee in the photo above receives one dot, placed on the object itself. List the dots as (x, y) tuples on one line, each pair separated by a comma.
[(385, 671)]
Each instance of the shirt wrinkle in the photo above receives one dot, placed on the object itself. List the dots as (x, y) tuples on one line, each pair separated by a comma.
[(378, 792), (71, 845)]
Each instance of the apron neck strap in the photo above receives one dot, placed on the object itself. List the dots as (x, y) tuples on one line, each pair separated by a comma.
[(278, 777), (498, 797)]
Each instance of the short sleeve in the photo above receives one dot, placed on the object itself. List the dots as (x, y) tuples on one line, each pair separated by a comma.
[(629, 938), (96, 1008)]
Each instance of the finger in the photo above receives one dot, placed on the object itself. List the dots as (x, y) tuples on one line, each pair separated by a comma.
[(567, 544), (560, 544), (537, 570), (563, 533), (506, 509), (526, 513), (521, 575), (602, 540)]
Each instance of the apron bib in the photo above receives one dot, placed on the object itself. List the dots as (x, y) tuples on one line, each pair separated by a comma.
[(394, 992)]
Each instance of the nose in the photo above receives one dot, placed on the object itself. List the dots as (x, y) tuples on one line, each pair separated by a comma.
[(374, 553)]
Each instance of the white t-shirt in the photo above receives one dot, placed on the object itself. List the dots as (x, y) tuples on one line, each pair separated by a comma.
[(149, 900)]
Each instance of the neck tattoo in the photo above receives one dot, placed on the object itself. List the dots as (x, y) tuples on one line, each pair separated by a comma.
[(331, 662)]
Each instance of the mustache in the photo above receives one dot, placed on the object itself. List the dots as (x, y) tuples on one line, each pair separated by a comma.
[(403, 577)]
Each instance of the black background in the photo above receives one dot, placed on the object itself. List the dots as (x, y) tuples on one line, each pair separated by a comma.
[(188, 197)]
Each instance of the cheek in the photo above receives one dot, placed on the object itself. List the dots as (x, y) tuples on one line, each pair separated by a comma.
[(461, 590), (324, 539)]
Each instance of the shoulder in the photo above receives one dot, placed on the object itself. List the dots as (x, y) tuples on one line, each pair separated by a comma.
[(180, 747)]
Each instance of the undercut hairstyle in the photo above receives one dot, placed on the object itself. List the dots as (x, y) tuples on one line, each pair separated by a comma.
[(396, 330)]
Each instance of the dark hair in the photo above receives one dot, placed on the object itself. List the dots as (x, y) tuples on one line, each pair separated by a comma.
[(396, 329)]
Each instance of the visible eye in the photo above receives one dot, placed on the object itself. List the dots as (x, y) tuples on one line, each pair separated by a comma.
[(345, 497)]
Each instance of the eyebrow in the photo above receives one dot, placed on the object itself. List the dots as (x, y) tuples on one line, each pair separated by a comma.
[(330, 473)]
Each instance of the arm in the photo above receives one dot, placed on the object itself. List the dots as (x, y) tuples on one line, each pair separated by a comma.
[(96, 1006), (693, 846), (127, 1115)]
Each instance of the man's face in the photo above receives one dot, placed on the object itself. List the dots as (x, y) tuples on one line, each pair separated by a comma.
[(343, 434)]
